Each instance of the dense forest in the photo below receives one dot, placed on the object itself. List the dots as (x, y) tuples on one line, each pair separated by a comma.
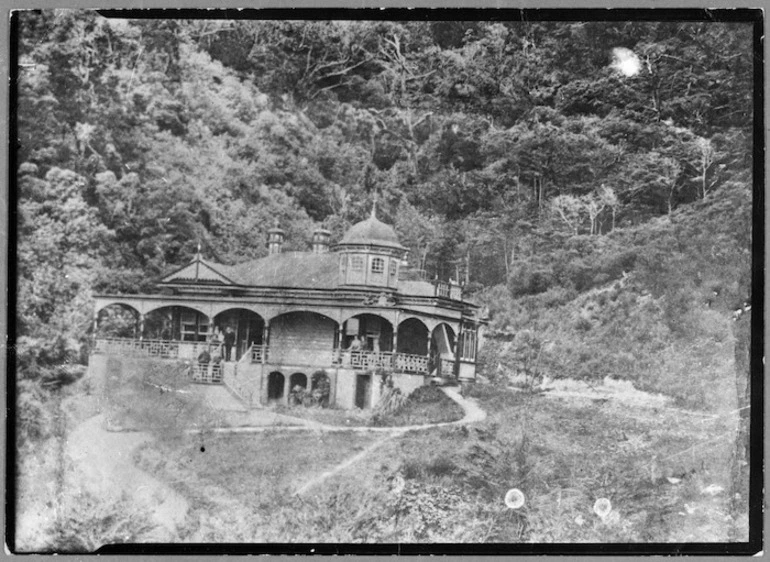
[(590, 183)]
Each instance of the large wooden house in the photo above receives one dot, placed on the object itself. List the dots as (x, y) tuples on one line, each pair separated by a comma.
[(347, 317)]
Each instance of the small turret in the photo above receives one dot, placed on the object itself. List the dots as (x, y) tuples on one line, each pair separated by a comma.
[(321, 241), (275, 237)]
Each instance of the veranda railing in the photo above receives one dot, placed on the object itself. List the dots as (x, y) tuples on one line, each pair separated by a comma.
[(365, 360)]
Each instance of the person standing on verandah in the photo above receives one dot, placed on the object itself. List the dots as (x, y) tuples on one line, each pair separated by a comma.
[(229, 342)]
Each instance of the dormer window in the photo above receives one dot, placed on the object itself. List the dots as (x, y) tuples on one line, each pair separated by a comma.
[(378, 265)]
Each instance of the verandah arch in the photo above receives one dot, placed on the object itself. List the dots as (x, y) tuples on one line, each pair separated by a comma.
[(302, 338), (117, 320), (374, 331), (442, 350), (413, 337), (248, 328), (177, 323)]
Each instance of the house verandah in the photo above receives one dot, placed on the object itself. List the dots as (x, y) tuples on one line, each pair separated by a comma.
[(283, 338)]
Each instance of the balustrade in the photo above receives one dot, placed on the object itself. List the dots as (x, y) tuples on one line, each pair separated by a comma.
[(209, 373), (257, 353), (411, 363), (365, 360)]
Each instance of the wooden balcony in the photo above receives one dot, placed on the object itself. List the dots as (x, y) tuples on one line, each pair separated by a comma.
[(180, 350), (163, 349)]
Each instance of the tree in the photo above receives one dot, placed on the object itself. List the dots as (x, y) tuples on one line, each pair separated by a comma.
[(569, 209)]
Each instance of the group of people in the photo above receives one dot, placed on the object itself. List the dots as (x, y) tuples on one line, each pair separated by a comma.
[(217, 338), (358, 345), (227, 339)]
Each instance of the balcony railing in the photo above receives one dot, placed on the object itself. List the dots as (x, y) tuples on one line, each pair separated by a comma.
[(209, 373), (163, 349), (258, 353), (364, 360)]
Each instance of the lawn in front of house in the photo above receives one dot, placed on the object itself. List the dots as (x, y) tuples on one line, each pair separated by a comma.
[(232, 480), (666, 475)]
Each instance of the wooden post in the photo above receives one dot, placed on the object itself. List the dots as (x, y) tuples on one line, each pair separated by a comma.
[(265, 338), (96, 322), (430, 348), (395, 335)]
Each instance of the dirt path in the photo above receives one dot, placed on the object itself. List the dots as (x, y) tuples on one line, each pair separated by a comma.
[(102, 466), (472, 412)]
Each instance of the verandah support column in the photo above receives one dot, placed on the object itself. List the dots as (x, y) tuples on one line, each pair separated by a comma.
[(286, 389), (394, 348), (265, 338), (96, 322), (141, 327)]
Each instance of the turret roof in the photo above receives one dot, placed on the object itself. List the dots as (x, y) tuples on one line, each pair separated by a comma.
[(372, 231)]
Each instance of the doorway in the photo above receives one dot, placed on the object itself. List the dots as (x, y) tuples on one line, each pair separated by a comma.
[(275, 382), (363, 396)]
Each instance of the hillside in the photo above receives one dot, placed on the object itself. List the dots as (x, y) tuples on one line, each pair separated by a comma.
[(590, 183)]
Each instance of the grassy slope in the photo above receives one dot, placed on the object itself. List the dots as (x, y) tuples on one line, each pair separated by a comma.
[(448, 484), (654, 306), (236, 483)]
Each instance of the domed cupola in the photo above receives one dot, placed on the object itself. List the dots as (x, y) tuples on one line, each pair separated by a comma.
[(370, 254)]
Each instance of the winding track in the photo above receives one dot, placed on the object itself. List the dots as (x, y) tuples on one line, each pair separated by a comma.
[(102, 460)]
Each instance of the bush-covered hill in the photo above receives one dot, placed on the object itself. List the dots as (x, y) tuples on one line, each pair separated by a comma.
[(589, 181)]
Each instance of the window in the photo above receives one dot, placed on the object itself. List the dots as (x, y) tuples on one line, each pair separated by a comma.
[(378, 265), (468, 349), (194, 326), (357, 263), (343, 266), (393, 267)]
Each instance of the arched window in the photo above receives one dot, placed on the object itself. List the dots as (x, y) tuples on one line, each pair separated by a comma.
[(378, 265)]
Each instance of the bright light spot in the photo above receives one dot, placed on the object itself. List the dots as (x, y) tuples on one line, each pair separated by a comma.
[(514, 499), (625, 61), (602, 507)]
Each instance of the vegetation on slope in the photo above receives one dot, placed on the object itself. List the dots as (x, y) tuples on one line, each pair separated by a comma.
[(602, 217)]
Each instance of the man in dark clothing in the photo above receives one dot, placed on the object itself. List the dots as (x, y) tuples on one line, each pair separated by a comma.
[(229, 342)]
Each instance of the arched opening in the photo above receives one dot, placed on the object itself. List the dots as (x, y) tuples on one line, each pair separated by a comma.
[(320, 386), (374, 333), (275, 382), (298, 379), (240, 328), (413, 337), (118, 320), (297, 389), (302, 338), (176, 323), (441, 358)]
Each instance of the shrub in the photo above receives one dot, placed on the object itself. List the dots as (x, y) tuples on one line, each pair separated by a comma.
[(87, 523), (427, 395), (442, 465), (34, 419), (528, 279)]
